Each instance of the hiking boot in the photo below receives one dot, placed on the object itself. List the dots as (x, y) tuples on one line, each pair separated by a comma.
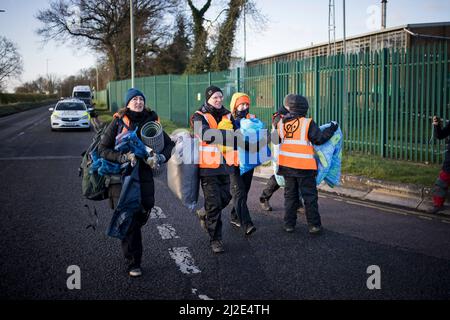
[(216, 246), (265, 205), (315, 229), (289, 228), (235, 222), (435, 209), (135, 272), (250, 229), (201, 214), (301, 210)]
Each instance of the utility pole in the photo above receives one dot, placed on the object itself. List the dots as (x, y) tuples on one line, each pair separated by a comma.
[(331, 28), (245, 36), (383, 14), (132, 43), (96, 73), (344, 84)]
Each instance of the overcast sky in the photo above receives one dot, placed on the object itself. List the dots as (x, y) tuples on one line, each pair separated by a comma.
[(292, 24)]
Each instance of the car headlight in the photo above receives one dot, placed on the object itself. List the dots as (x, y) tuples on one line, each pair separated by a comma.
[(85, 117), (56, 117)]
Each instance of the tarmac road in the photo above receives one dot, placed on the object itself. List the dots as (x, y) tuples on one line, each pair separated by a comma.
[(43, 232)]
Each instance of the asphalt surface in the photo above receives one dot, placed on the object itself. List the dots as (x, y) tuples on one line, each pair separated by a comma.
[(43, 232)]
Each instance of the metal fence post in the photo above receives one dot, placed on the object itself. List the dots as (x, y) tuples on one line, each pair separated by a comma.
[(384, 100), (187, 100), (170, 97), (316, 87), (276, 87), (238, 76), (154, 94)]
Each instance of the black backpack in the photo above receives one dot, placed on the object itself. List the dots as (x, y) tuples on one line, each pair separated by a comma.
[(93, 185)]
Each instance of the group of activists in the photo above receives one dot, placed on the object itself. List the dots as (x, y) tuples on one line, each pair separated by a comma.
[(220, 177), (221, 145)]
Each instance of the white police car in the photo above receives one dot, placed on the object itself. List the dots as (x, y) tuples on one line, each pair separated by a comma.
[(70, 113)]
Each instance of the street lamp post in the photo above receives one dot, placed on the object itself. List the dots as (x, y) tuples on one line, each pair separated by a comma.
[(96, 74), (132, 43), (344, 84)]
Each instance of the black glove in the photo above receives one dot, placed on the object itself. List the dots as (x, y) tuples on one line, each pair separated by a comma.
[(334, 126)]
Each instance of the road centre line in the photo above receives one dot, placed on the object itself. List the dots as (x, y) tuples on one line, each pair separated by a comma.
[(157, 213), (167, 231), (184, 260)]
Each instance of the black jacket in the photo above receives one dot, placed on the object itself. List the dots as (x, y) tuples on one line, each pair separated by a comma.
[(106, 151), (315, 135), (227, 139), (442, 133)]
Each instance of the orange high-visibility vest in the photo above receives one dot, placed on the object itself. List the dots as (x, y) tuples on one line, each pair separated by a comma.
[(125, 120), (296, 151), (209, 154)]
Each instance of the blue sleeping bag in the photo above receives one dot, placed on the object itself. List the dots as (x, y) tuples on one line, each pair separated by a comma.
[(329, 157), (251, 130)]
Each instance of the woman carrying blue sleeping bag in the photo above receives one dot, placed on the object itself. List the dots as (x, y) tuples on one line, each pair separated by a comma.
[(241, 178)]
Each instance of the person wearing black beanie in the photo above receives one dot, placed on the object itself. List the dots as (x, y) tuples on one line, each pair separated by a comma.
[(216, 163), (210, 91), (296, 161)]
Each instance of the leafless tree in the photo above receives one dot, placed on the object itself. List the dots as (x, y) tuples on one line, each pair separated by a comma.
[(11, 64), (104, 25)]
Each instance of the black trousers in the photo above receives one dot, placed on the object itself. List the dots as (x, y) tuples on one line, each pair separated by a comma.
[(240, 186), (216, 190), (272, 186), (132, 243), (306, 186), (269, 190)]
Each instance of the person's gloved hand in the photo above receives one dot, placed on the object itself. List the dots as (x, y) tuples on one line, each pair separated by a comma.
[(155, 160), (334, 125), (128, 157)]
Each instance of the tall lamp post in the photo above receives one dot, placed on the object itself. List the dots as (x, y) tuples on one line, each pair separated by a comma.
[(344, 84), (132, 43)]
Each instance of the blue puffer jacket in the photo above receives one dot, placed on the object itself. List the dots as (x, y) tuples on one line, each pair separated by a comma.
[(329, 156)]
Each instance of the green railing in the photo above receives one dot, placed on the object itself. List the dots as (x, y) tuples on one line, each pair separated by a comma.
[(391, 96)]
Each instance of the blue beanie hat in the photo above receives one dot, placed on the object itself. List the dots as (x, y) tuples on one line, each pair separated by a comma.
[(131, 93)]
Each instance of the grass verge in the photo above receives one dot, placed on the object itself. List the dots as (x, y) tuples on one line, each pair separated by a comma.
[(7, 109)]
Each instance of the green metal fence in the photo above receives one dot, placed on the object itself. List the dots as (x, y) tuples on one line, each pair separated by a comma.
[(391, 96)]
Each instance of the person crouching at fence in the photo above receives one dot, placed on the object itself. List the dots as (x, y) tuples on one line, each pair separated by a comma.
[(217, 158), (443, 181), (240, 184), (297, 163), (134, 115)]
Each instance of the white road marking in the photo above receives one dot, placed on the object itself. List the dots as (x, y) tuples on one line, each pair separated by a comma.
[(201, 296), (167, 232), (184, 260), (157, 213)]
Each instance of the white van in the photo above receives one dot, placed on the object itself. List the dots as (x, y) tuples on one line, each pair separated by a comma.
[(83, 93)]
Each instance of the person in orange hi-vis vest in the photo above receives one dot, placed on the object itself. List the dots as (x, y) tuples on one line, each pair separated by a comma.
[(272, 184), (240, 185), (297, 163), (217, 158)]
